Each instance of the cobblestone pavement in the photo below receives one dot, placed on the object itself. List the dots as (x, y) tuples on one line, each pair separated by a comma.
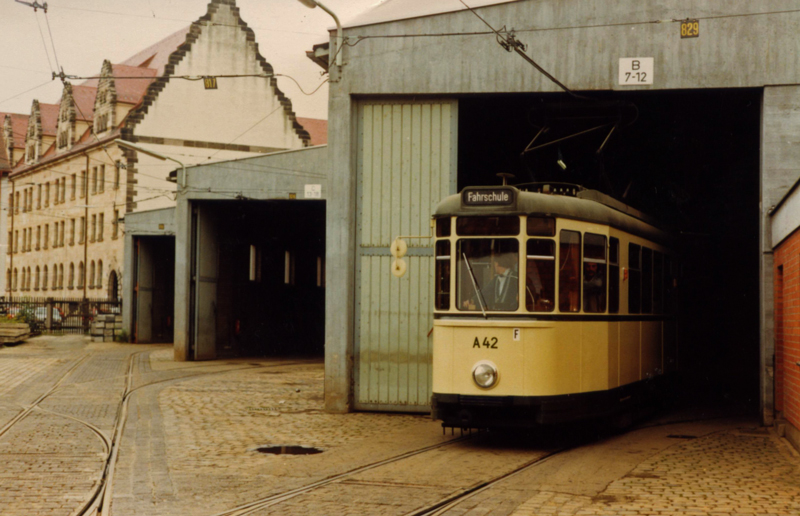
[(193, 429)]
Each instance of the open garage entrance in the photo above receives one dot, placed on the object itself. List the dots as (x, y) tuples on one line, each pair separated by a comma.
[(258, 278), (154, 289), (691, 159)]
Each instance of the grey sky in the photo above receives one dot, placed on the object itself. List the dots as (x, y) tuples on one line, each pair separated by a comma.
[(87, 31)]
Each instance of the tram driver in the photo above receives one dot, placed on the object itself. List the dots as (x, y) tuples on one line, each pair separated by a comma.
[(500, 293)]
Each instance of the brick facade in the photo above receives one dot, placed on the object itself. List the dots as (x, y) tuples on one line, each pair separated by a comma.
[(787, 328)]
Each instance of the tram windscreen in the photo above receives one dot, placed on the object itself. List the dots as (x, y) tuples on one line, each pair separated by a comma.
[(487, 275)]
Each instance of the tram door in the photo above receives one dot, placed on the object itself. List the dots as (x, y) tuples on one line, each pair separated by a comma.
[(205, 276), (406, 165)]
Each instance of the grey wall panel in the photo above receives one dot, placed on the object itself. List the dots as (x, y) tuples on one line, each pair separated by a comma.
[(405, 167), (741, 44)]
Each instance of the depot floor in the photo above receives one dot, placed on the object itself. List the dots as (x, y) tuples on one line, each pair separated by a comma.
[(193, 434)]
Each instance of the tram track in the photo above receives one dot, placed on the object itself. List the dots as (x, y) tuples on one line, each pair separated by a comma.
[(98, 501), (278, 498)]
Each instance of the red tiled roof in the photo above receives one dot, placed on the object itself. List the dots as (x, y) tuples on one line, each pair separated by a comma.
[(129, 91), (49, 113), (157, 56), (19, 127), (317, 129), (84, 102)]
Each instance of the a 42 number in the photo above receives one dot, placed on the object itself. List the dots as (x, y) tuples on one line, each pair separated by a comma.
[(488, 342)]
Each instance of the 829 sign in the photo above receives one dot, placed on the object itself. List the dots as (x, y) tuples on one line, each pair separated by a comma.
[(690, 29)]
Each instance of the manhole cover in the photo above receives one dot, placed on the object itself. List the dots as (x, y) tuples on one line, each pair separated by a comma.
[(288, 449)]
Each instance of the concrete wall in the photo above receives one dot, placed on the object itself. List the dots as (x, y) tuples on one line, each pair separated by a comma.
[(580, 42), (272, 176)]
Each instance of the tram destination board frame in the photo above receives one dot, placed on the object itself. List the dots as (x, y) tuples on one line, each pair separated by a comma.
[(488, 197)]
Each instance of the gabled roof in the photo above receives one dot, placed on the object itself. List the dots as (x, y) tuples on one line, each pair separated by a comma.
[(156, 56), (317, 129), (19, 128), (394, 10), (173, 59)]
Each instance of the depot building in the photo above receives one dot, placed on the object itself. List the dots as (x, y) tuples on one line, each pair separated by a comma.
[(689, 112)]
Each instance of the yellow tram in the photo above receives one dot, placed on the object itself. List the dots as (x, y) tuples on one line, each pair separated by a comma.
[(550, 306)]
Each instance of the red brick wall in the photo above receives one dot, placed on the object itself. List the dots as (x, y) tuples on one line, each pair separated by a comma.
[(787, 328)]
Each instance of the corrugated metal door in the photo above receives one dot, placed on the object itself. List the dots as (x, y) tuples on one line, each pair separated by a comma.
[(406, 165)]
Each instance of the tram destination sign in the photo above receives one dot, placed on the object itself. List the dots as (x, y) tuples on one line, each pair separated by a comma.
[(488, 197)]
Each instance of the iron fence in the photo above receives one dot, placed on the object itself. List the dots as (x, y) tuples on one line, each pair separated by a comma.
[(63, 315)]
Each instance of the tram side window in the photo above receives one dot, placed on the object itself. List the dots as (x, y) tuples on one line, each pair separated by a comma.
[(634, 279), (658, 282), (613, 276), (540, 275), (647, 280), (443, 227), (487, 276), (569, 287), (443, 274), (594, 273)]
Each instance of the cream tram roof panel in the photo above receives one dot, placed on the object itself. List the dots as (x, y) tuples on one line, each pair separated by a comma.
[(588, 206)]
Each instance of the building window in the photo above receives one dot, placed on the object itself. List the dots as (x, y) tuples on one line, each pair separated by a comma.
[(63, 189), (63, 231), (101, 180), (74, 186), (16, 202), (94, 229), (61, 276), (99, 281), (46, 195), (38, 237), (8, 279), (115, 225), (16, 242), (100, 226), (81, 275), (56, 197), (46, 240), (55, 235), (91, 275), (10, 203), (39, 197), (94, 180), (82, 193), (14, 283), (44, 278), (24, 279), (71, 283), (117, 167), (82, 230), (72, 232)]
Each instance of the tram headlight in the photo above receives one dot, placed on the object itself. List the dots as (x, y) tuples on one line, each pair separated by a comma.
[(485, 374)]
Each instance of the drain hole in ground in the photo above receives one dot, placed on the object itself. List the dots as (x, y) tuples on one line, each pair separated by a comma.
[(288, 450)]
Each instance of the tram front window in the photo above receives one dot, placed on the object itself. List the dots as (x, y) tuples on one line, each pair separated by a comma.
[(487, 274)]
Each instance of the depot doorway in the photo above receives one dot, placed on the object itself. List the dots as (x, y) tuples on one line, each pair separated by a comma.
[(689, 158), (258, 279)]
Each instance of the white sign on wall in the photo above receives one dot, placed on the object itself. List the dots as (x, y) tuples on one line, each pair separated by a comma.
[(635, 71), (313, 191)]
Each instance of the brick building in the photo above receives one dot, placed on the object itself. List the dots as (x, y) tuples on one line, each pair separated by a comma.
[(786, 248), (70, 184)]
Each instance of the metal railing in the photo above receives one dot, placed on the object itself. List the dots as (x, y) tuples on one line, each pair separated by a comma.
[(58, 315)]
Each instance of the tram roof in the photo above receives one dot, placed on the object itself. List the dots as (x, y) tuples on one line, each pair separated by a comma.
[(587, 206)]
